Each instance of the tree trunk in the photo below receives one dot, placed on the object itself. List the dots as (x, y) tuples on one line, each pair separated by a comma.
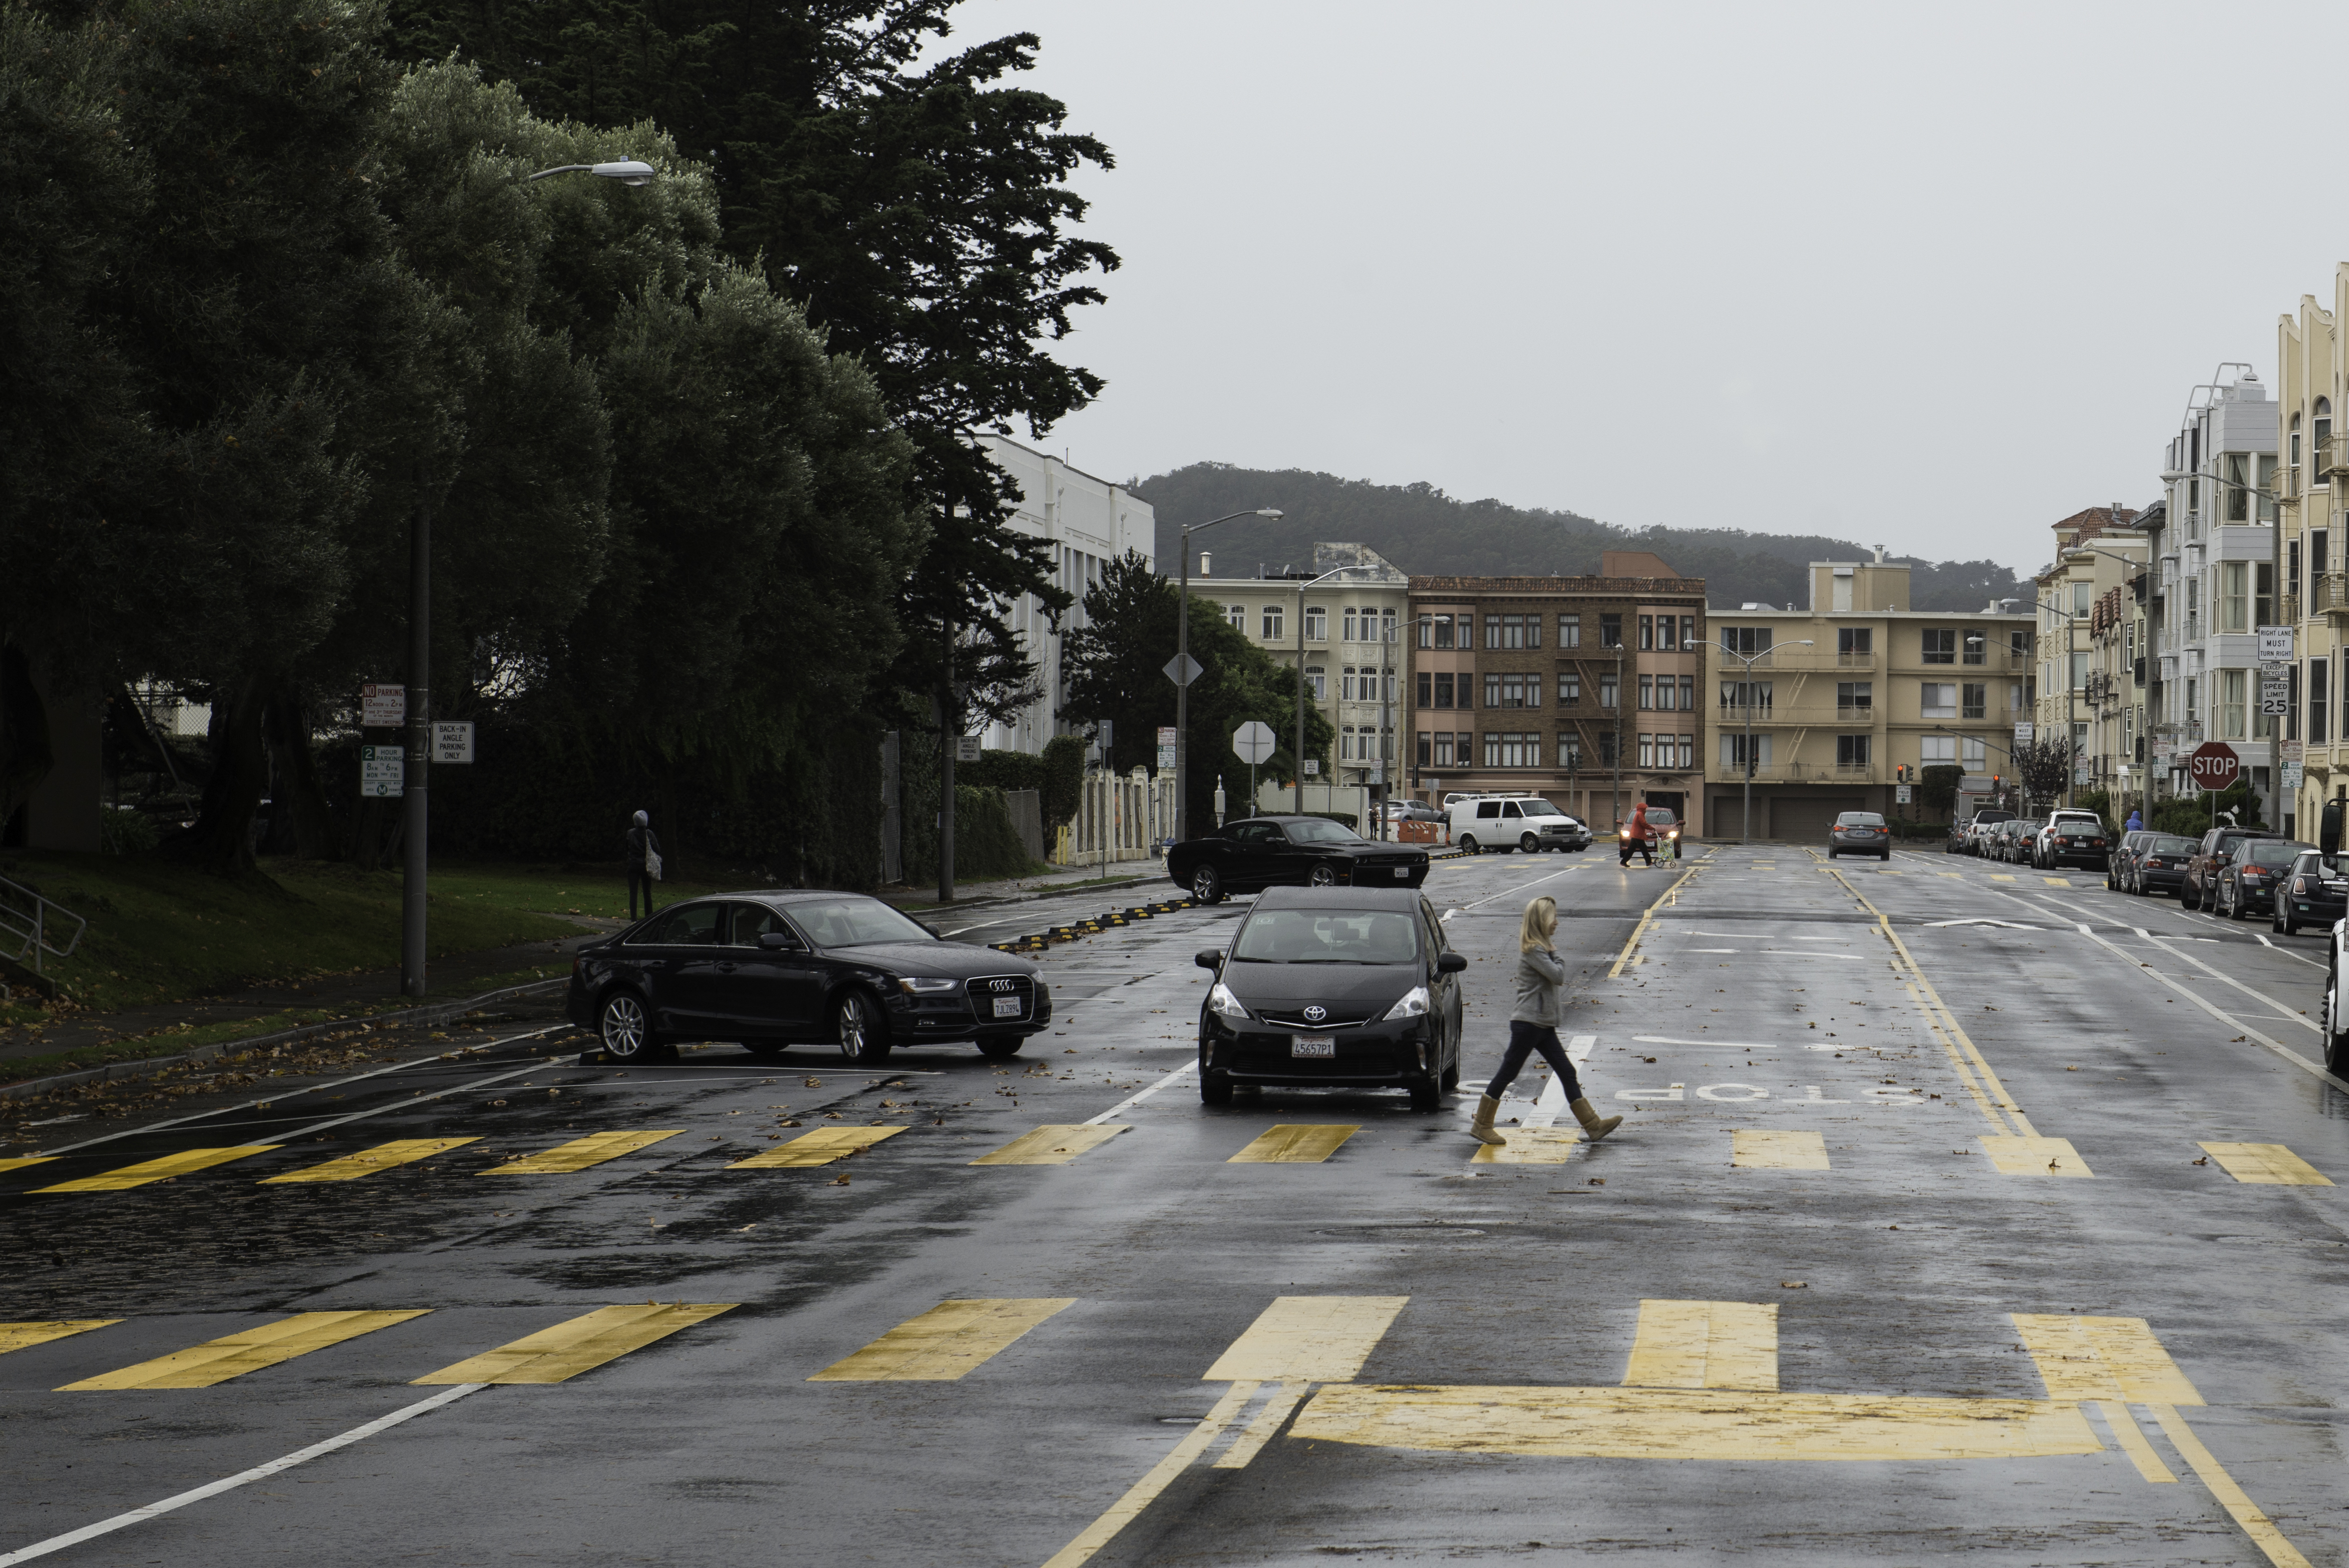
[(24, 754), (220, 840), (300, 822)]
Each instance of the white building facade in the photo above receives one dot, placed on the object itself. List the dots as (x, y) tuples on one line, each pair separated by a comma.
[(1089, 522)]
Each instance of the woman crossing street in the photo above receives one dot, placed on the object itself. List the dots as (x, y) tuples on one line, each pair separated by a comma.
[(1533, 1026)]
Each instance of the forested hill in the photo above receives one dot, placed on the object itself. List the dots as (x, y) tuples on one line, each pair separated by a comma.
[(1420, 529)]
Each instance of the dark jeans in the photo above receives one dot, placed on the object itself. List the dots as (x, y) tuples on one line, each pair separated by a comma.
[(637, 874), (1524, 1039), (1644, 846)]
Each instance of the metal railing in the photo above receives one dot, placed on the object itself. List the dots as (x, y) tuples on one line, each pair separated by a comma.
[(28, 920), (2332, 453), (2331, 592)]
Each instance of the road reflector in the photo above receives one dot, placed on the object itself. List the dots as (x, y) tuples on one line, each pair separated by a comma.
[(566, 1350), (821, 1147), (578, 1155), (942, 1344), (2102, 1358), (1704, 1344), (2265, 1165), (368, 1161), (1054, 1144), (25, 1336), (1300, 1143), (233, 1356), (1529, 1146), (1755, 1149), (1308, 1339), (159, 1169), (2035, 1156)]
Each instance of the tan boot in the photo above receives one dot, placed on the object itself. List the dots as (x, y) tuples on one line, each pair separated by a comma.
[(1481, 1129), (1595, 1126)]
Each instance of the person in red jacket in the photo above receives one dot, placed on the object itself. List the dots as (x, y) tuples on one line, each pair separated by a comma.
[(1638, 837)]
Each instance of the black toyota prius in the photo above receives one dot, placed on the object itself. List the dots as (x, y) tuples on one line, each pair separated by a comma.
[(1334, 987), (773, 970)]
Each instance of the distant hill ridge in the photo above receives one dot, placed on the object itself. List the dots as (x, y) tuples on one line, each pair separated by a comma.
[(1424, 531)]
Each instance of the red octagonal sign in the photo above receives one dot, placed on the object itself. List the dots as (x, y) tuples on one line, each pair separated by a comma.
[(2213, 765)]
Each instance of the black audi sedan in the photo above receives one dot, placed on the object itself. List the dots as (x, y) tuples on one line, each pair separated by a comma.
[(1258, 852), (2158, 866), (773, 970), (1330, 988)]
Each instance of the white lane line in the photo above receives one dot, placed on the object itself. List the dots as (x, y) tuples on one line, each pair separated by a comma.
[(1815, 953), (1513, 889), (2287, 953), (1131, 1101), (2283, 1009), (258, 1472), (1725, 1044), (291, 1094)]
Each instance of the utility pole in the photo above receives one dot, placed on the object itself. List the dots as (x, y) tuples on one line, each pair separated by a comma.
[(416, 802), (949, 726)]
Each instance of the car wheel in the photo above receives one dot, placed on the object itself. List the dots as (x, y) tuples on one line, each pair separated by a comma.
[(1450, 1079), (1323, 875), (1530, 844), (2336, 1042), (864, 1032), (1215, 1088), (2185, 897), (1426, 1096), (1207, 887), (2281, 924), (1001, 1048), (1468, 843), (624, 1028), (1886, 858)]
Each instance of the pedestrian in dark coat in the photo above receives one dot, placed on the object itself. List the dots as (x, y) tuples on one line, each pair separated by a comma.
[(644, 863), (1639, 839), (1533, 1026)]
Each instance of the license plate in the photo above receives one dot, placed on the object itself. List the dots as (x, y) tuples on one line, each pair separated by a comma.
[(1402, 870), (1313, 1045), (1007, 1007)]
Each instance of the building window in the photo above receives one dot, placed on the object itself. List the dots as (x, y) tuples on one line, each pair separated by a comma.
[(1513, 691), (1938, 750), (2231, 705), (1492, 750), (1508, 632), (1974, 701), (1609, 691), (1746, 641), (2262, 594), (1977, 645), (1688, 694), (1738, 694), (1443, 749), (2320, 431), (1647, 693), (1533, 631), (1854, 697), (1853, 750), (1856, 642), (1426, 689), (1940, 699), (2234, 595), (1273, 622), (1607, 748), (1346, 743), (2018, 643), (1350, 626), (1427, 748), (1687, 750), (1570, 689), (1647, 751), (1648, 639), (1346, 684), (1570, 631), (1492, 691), (1317, 624), (1688, 630), (2319, 699), (1461, 747), (1940, 645), (1610, 631), (2237, 500), (1492, 631), (1569, 750), (1971, 754), (1386, 625), (1733, 750), (1442, 690), (2080, 672), (1316, 682), (1442, 632), (1521, 751), (1238, 615)]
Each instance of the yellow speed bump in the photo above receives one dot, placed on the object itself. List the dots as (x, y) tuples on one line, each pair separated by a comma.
[(1308, 1339), (566, 1350), (821, 1147), (1055, 1144), (368, 1161), (2265, 1165), (578, 1155), (1530, 1146), (2035, 1156), (944, 1344), (160, 1169), (233, 1355), (1297, 1143), (1755, 1149), (2102, 1358), (23, 1335)]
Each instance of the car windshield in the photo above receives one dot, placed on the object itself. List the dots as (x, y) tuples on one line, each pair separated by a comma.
[(2272, 852), (1994, 816), (1538, 808), (1328, 936), (1318, 830), (853, 922), (1859, 819), (1661, 816), (2169, 844)]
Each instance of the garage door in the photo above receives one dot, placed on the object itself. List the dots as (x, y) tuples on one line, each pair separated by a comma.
[(1808, 821)]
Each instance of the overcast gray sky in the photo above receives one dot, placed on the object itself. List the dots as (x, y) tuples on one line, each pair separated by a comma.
[(1929, 277)]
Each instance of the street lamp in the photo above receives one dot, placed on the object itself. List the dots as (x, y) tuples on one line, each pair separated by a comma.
[(415, 786), (1745, 834), (1182, 672)]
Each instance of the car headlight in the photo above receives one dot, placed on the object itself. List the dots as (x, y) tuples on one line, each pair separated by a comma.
[(923, 986), (1221, 1000), (1413, 1006)]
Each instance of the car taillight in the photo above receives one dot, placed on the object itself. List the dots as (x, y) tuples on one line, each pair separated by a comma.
[(2299, 884)]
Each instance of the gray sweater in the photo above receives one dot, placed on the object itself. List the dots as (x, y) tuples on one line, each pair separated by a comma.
[(1541, 977)]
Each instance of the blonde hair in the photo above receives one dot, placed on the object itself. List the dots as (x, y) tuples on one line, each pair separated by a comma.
[(1539, 926)]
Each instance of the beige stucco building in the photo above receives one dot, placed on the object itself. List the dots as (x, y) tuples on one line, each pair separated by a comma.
[(2311, 477), (2090, 623)]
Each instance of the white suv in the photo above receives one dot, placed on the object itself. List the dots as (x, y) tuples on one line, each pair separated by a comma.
[(1503, 823)]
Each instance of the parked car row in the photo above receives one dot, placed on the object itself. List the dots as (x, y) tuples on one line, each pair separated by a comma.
[(2067, 836), (2236, 872)]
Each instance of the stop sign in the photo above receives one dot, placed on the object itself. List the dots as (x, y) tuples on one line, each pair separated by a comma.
[(2213, 765)]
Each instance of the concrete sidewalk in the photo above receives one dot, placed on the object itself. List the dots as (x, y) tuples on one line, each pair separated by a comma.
[(1061, 878)]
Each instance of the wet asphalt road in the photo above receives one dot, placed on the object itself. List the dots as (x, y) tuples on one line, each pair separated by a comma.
[(1891, 1332)]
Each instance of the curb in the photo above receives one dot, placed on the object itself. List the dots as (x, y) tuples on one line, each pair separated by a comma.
[(435, 1012), (961, 904), (1035, 942)]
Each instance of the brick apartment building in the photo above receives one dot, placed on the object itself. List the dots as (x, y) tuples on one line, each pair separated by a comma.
[(1541, 684)]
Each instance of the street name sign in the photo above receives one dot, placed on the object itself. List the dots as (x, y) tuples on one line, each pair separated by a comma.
[(2275, 642), (383, 771), (2214, 766), (382, 707), (1252, 743), (452, 740)]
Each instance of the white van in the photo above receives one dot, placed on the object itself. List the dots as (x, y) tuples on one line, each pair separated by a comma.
[(1501, 823)]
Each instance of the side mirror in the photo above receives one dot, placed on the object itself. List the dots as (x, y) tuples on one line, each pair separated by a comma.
[(1209, 958), (931, 929), (1450, 963), (779, 941), (2328, 834)]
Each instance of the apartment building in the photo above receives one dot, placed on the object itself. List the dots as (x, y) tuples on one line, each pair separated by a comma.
[(1818, 710), (2089, 630), (1090, 522), (2312, 475), (1582, 689), (1349, 607)]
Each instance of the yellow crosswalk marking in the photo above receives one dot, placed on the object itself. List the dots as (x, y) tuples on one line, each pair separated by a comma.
[(1704, 1344), (578, 1155), (945, 1343), (566, 1350), (1055, 1144), (1754, 1149), (821, 1147), (2132, 1440), (1953, 875), (2265, 1165), (1887, 871), (218, 1360), (2035, 1156), (1530, 1146), (1308, 1339), (23, 1335), (2056, 881), (2102, 1358), (1300, 1143), (2002, 876), (159, 1169), (18, 1162), (368, 1161)]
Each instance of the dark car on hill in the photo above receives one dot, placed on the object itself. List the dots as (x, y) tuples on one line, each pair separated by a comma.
[(1259, 852), (2202, 869), (2124, 850), (773, 970), (2249, 877), (2314, 892), (1333, 988), (2158, 865), (2070, 837)]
